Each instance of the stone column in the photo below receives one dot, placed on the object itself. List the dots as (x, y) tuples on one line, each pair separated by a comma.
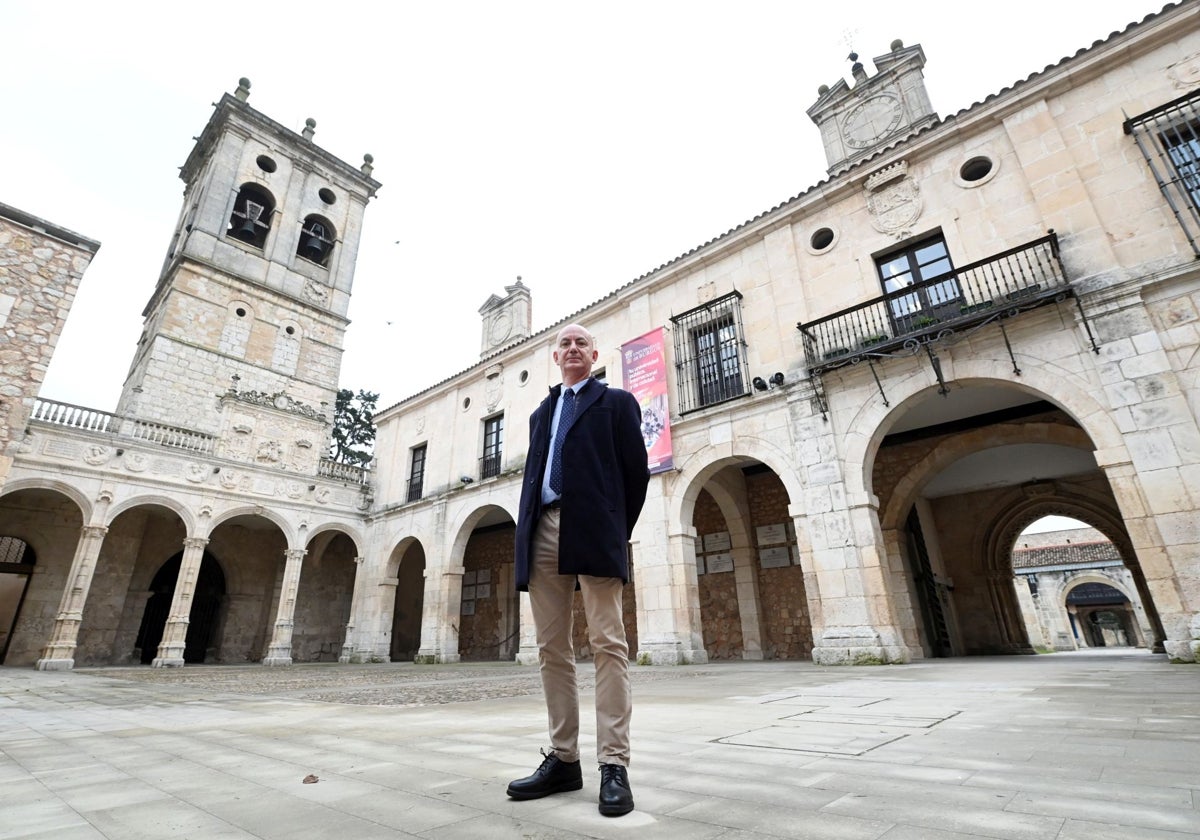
[(280, 650), (352, 650), (174, 639), (440, 616), (858, 623), (1010, 628), (59, 653), (527, 654), (674, 634), (1077, 630)]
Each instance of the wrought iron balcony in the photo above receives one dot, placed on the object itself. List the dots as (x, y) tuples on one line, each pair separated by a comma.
[(415, 488), (489, 465), (939, 310)]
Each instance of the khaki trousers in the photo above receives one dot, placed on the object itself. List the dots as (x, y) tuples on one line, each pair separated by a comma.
[(552, 597)]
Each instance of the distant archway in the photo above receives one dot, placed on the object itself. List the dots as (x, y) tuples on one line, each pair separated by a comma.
[(207, 600)]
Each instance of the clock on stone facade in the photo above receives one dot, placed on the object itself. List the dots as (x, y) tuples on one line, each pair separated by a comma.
[(871, 120)]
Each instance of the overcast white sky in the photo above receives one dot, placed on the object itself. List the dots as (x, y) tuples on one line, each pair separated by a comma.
[(577, 145)]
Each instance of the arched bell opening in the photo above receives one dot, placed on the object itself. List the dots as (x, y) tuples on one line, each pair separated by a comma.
[(317, 236), (253, 210)]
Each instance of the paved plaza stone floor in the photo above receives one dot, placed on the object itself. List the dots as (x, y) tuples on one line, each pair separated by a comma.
[(1093, 745)]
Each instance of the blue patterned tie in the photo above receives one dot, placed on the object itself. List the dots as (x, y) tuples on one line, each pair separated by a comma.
[(564, 423)]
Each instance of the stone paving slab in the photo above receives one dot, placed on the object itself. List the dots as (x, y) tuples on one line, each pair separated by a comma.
[(1096, 745)]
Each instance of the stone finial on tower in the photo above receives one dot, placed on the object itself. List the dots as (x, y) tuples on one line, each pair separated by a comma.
[(506, 319), (243, 89), (368, 164), (856, 69), (310, 128)]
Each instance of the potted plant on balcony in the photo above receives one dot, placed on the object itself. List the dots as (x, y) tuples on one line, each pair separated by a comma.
[(925, 321), (872, 340)]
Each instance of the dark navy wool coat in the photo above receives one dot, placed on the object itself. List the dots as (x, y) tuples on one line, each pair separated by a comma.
[(604, 483)]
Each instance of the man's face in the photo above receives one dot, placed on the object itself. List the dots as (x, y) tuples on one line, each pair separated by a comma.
[(574, 353)]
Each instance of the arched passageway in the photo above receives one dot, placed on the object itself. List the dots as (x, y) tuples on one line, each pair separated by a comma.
[(958, 478), (752, 591), (204, 617), (409, 561)]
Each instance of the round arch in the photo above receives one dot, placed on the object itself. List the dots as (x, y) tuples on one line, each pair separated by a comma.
[(153, 500), (707, 461), (1022, 506), (967, 443), (73, 493), (1046, 381), (396, 555), (466, 521), (349, 531), (260, 512)]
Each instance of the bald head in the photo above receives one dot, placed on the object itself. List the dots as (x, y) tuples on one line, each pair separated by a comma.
[(575, 353)]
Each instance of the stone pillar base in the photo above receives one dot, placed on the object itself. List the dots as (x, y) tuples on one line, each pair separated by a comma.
[(167, 662), (856, 646), (55, 664), (272, 661), (437, 658), (670, 654)]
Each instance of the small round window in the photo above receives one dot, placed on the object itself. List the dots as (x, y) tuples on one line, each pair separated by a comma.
[(327, 195), (241, 313), (976, 169), (524, 377), (466, 403), (822, 239), (290, 330), (266, 164)]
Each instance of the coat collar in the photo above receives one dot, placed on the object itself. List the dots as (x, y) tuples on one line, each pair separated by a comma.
[(590, 393)]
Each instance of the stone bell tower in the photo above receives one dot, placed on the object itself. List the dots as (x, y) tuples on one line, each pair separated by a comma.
[(244, 330), (877, 111)]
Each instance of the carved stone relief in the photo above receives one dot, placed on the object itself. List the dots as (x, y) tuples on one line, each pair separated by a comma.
[(894, 200), (1185, 74)]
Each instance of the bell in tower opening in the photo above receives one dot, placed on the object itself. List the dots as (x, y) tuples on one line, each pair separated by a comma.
[(316, 240), (251, 218)]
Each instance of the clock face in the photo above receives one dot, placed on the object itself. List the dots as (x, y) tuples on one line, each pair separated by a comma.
[(871, 120), (501, 327)]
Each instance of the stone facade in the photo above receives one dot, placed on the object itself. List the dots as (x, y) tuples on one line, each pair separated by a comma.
[(907, 443), (41, 265), (872, 389)]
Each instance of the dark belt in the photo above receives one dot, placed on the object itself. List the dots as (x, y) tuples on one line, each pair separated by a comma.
[(555, 505)]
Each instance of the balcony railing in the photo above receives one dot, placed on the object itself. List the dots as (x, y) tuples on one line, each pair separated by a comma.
[(74, 416), (1023, 278), (414, 488), (91, 420), (489, 465), (338, 471)]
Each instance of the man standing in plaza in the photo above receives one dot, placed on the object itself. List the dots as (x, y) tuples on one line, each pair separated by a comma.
[(584, 486)]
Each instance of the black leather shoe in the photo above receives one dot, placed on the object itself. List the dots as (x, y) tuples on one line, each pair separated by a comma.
[(616, 799), (554, 776)]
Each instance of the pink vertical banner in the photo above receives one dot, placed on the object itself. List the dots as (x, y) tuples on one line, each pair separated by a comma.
[(644, 372)]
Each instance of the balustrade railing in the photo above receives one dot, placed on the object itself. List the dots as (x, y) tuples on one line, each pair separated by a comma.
[(329, 468), (1002, 284), (74, 416), (171, 436), (91, 420)]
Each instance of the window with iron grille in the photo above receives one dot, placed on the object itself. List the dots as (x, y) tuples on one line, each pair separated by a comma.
[(416, 473), (493, 446), (1169, 139), (710, 353)]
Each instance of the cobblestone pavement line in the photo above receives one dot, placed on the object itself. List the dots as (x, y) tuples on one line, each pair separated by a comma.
[(391, 684)]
